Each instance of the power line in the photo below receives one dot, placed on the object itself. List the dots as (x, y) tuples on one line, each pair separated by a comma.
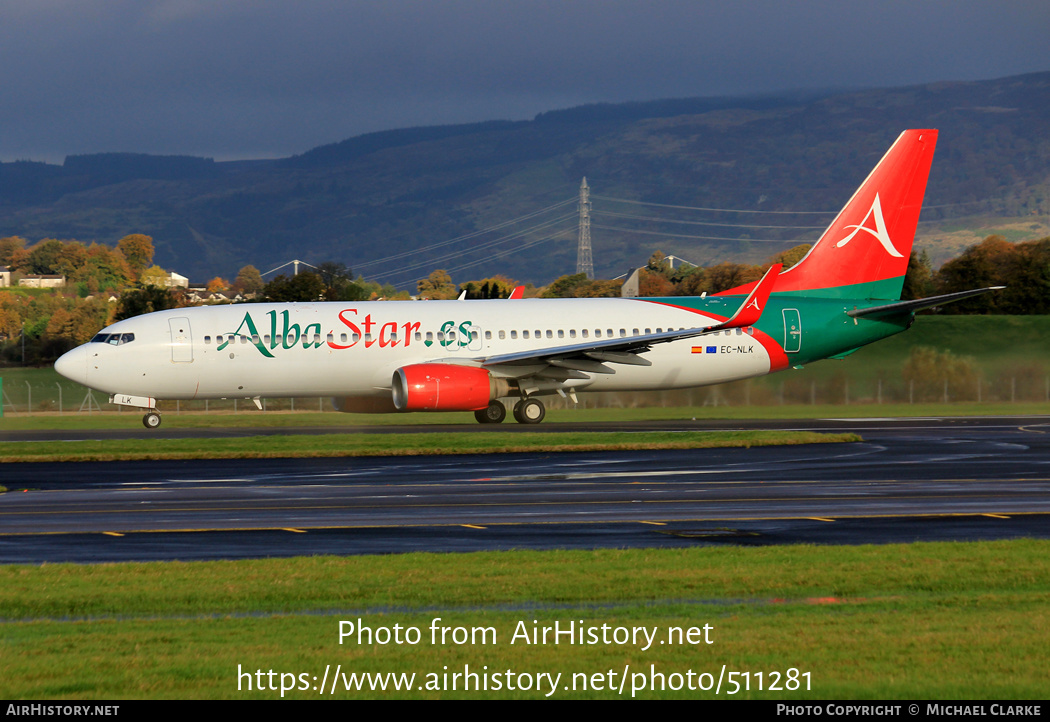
[(465, 237), (702, 238), (296, 263), (700, 223), (478, 247), (713, 210), (560, 234)]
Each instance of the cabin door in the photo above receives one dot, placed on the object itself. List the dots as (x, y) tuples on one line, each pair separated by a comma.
[(792, 330), (181, 340)]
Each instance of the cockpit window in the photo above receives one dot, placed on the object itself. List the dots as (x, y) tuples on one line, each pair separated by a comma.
[(114, 339)]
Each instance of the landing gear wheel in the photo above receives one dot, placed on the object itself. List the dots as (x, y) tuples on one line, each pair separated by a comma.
[(151, 420), (529, 411), (494, 414)]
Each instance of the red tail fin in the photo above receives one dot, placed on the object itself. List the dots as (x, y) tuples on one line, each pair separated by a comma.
[(864, 252)]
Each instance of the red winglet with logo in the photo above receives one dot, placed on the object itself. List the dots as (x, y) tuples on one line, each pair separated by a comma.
[(751, 309)]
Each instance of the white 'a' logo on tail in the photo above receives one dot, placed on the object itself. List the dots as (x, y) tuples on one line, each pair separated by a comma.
[(880, 232)]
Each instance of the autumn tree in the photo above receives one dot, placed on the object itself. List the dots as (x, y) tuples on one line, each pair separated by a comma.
[(11, 248), (249, 281), (658, 263), (137, 250), (789, 257), (60, 323), (693, 283), (577, 285), (339, 283), (1027, 279), (106, 265), (303, 287), (44, 257), (89, 317), (651, 283), (146, 299), (10, 319), (218, 285), (927, 370), (438, 285), (918, 280), (154, 276), (494, 287), (727, 275), (565, 286), (985, 264)]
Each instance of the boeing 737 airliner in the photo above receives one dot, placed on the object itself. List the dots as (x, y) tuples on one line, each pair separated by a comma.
[(468, 355)]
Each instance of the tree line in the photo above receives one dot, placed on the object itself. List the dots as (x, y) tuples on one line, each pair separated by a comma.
[(44, 323)]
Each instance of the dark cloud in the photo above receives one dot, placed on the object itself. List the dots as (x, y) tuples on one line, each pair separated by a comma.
[(248, 79)]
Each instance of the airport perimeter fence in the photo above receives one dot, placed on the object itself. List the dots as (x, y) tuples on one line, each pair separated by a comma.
[(24, 397)]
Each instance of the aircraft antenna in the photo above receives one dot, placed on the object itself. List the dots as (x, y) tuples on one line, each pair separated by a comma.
[(584, 261)]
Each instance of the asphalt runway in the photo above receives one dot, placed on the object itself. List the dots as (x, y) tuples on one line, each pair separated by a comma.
[(909, 480)]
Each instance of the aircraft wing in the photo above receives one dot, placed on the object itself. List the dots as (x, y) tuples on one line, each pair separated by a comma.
[(592, 356)]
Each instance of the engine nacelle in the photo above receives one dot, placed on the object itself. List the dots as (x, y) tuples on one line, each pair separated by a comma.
[(445, 387)]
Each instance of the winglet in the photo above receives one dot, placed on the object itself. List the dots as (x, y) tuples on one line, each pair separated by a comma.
[(518, 292), (751, 309)]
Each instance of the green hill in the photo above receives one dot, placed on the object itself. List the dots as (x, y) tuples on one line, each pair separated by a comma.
[(396, 194)]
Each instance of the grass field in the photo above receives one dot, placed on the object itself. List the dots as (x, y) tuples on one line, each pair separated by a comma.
[(339, 445), (919, 621)]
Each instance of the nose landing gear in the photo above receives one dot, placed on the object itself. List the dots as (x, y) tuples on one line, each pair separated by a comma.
[(151, 420)]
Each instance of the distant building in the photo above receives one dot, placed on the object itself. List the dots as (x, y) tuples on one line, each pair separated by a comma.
[(110, 297), (5, 276), (197, 296), (43, 281), (174, 280)]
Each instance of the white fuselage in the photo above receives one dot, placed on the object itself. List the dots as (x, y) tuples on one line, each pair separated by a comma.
[(352, 349)]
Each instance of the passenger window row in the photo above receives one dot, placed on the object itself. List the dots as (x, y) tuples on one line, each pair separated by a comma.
[(118, 339)]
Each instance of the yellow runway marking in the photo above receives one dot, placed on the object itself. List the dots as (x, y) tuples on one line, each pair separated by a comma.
[(472, 526), (705, 519), (112, 533), (297, 531), (654, 523), (818, 518), (996, 516)]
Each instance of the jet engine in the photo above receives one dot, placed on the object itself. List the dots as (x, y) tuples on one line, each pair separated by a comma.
[(445, 387)]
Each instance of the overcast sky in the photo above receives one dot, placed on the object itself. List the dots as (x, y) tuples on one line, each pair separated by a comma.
[(251, 79)]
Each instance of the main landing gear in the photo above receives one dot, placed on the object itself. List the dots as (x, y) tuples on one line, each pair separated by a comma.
[(493, 414), (526, 411), (151, 420), (529, 411)]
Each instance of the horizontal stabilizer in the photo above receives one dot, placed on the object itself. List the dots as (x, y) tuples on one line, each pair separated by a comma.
[(893, 309)]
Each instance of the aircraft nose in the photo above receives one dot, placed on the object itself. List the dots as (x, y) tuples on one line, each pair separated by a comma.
[(73, 365)]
